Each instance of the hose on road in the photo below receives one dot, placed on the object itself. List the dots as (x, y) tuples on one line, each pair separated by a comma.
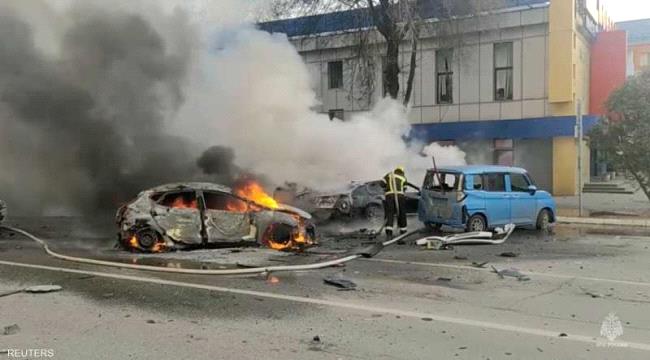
[(245, 271)]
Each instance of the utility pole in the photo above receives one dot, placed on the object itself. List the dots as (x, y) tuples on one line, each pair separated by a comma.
[(579, 136)]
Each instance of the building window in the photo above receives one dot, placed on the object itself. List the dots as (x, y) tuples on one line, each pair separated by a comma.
[(335, 72), (336, 114), (445, 76), (503, 71), (504, 153)]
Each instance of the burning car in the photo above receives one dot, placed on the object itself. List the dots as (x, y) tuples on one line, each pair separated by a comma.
[(190, 215), (356, 200)]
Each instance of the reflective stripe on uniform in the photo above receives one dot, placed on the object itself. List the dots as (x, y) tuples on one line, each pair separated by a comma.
[(393, 187)]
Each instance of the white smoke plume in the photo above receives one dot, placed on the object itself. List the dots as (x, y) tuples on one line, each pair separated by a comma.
[(256, 97)]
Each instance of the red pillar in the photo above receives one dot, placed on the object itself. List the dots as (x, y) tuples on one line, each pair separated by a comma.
[(608, 68)]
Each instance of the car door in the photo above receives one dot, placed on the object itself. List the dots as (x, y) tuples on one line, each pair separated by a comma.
[(497, 199), (227, 218), (522, 201), (177, 213)]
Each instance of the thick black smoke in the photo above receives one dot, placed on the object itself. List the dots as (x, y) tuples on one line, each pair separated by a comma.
[(219, 162), (84, 130)]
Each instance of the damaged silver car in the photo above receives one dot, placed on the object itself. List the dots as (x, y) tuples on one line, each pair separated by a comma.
[(191, 215), (356, 200)]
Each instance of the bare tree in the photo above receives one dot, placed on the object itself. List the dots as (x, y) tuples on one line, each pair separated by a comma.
[(396, 21)]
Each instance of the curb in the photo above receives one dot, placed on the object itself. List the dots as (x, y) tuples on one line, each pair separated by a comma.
[(597, 221)]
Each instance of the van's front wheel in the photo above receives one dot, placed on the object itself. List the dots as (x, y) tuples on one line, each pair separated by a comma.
[(544, 220), (476, 223)]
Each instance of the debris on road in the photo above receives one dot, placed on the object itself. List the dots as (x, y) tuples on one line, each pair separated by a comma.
[(11, 329), (479, 265), (340, 282), (508, 254), (511, 273), (458, 257), (499, 236), (37, 289), (594, 295)]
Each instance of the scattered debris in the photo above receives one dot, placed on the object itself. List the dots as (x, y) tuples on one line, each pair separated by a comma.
[(316, 339), (480, 265), (271, 279), (594, 295), (458, 257), (563, 335), (508, 254), (511, 273), (11, 329), (443, 279), (37, 289), (427, 319), (499, 236), (108, 295), (340, 282), (151, 321)]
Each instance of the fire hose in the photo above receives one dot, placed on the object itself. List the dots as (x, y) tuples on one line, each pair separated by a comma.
[(365, 252)]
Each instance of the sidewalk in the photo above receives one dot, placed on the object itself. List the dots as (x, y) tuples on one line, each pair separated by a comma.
[(605, 209)]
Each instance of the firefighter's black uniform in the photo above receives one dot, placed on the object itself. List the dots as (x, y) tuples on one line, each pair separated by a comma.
[(395, 203)]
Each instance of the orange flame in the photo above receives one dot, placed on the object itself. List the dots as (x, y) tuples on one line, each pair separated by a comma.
[(298, 240), (253, 191), (180, 203), (157, 247)]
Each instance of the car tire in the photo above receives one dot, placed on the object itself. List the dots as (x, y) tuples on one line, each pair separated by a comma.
[(147, 239), (543, 220), (476, 222)]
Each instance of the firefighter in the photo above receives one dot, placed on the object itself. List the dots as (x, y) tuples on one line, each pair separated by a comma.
[(394, 184)]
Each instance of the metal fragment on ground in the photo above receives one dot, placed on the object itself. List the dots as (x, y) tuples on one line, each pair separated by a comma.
[(499, 236), (339, 282), (42, 289), (511, 273), (11, 329), (508, 254)]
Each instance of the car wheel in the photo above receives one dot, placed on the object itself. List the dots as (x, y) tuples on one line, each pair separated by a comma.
[(544, 220), (147, 239), (476, 223)]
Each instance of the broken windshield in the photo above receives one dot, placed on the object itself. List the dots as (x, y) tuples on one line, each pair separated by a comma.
[(442, 181)]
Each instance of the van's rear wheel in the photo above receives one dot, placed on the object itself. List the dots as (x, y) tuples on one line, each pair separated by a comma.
[(476, 223), (544, 220)]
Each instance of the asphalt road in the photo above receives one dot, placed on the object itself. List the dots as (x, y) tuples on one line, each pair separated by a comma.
[(410, 303)]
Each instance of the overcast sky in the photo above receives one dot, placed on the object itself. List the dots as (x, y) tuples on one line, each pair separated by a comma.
[(622, 10)]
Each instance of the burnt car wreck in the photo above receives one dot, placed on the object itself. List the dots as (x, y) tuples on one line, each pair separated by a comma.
[(193, 215), (357, 200)]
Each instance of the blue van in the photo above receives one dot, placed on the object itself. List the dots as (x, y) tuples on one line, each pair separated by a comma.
[(483, 197)]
